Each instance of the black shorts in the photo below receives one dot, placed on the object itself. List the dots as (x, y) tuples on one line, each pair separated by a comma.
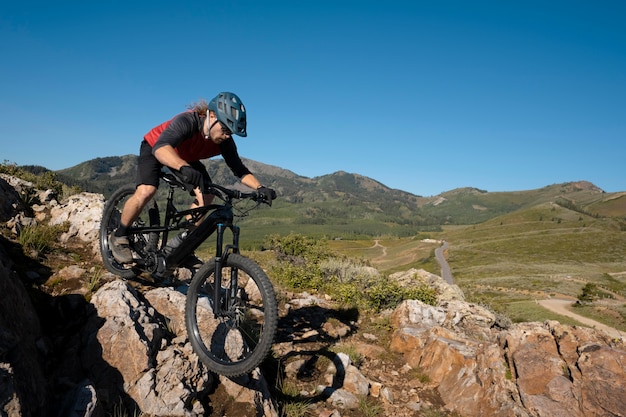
[(148, 167)]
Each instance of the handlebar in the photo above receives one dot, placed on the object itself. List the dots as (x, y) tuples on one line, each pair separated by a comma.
[(226, 194), (231, 193)]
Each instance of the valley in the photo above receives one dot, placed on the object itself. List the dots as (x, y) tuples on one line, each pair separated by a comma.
[(506, 249)]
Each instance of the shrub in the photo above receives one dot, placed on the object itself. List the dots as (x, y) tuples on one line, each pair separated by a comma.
[(298, 246), (306, 264), (345, 270), (299, 257), (297, 276), (388, 294), (45, 180), (40, 237), (589, 293)]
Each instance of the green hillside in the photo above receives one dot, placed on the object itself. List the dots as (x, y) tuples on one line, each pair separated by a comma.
[(507, 249), (543, 251), (101, 175), (513, 260), (351, 206)]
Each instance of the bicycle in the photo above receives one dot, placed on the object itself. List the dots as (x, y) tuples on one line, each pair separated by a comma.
[(231, 312)]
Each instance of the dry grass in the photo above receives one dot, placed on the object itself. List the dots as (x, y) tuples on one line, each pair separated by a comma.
[(390, 255), (511, 261)]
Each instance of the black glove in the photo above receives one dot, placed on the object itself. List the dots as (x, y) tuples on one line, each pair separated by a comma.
[(266, 194), (190, 175)]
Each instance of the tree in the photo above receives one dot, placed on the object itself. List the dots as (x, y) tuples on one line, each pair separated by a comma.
[(588, 293)]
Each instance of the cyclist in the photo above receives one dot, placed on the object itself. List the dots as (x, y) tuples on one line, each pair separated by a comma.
[(203, 131)]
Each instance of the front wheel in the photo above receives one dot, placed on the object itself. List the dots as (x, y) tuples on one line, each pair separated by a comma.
[(240, 337)]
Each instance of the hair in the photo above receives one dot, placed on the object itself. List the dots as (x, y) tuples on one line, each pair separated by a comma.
[(201, 106)]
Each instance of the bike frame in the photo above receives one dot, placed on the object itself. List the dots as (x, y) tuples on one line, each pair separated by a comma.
[(218, 220)]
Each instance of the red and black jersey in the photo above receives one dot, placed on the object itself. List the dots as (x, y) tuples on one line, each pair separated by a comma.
[(185, 134)]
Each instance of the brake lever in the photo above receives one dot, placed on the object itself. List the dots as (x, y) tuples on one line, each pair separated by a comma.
[(262, 199)]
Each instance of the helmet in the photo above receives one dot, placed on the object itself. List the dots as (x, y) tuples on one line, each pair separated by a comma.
[(230, 111)]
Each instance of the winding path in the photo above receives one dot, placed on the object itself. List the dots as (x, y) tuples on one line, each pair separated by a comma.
[(557, 305), (560, 306), (377, 244), (443, 264)]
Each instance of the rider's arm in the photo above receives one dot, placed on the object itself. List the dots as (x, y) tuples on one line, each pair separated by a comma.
[(182, 127), (251, 181), (236, 165), (169, 157)]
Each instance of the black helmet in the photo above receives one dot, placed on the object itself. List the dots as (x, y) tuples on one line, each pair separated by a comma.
[(229, 110)]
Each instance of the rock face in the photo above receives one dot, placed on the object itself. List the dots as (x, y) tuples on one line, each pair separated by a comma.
[(534, 369), (83, 212), (22, 381), (66, 356), (564, 370), (10, 204), (138, 348)]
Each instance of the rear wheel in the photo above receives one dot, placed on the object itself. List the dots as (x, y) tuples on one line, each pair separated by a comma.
[(239, 339), (140, 243)]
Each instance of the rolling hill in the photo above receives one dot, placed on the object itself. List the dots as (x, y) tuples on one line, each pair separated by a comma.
[(350, 205), (507, 249)]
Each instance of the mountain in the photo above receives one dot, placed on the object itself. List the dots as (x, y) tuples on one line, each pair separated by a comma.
[(350, 204), (471, 205), (101, 175)]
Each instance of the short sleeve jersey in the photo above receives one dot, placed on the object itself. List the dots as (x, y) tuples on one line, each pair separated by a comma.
[(185, 134)]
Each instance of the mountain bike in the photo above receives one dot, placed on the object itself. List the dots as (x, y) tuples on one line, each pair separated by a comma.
[(231, 312)]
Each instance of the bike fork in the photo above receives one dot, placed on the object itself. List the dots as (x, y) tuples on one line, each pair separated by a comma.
[(220, 258)]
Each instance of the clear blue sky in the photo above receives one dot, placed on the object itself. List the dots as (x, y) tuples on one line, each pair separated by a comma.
[(423, 96)]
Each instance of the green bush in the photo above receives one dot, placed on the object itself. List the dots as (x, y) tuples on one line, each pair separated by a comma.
[(298, 246), (40, 237), (388, 294), (298, 260), (297, 276), (305, 264), (45, 180)]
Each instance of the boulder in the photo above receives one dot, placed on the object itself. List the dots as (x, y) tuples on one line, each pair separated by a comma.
[(22, 376), (531, 369), (83, 213), (10, 202)]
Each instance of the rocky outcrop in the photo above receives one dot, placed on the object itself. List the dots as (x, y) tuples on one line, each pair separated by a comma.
[(136, 346), (64, 355), (565, 370), (82, 212), (22, 378), (11, 203), (530, 369)]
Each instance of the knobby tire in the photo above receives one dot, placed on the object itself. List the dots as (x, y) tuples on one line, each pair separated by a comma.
[(239, 341), (139, 242)]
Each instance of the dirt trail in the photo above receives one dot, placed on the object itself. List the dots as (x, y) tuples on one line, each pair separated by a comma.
[(377, 244), (560, 306), (557, 305)]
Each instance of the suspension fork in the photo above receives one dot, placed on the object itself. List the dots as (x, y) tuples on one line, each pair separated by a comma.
[(221, 255)]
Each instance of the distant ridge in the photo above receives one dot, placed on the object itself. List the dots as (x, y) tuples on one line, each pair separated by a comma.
[(355, 202)]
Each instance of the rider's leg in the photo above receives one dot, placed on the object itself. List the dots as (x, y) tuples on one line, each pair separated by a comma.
[(148, 168), (192, 261), (118, 241), (201, 199), (133, 206)]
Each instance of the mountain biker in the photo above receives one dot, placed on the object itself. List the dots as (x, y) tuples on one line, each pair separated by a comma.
[(203, 131)]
